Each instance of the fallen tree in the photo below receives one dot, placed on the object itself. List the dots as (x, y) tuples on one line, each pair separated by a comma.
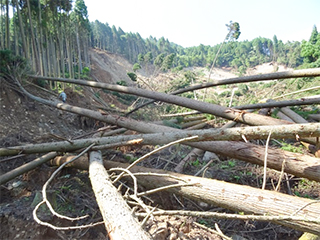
[(272, 104), (262, 77), (295, 163), (292, 131), (118, 219), (227, 195), (217, 110)]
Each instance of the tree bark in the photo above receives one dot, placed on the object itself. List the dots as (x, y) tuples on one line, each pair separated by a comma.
[(227, 195), (217, 110), (297, 164), (242, 151), (26, 167), (298, 102), (171, 134), (116, 214), (262, 77)]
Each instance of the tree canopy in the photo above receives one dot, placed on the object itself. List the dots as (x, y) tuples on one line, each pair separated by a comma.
[(55, 39)]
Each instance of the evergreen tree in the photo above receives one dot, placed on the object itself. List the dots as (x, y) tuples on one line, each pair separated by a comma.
[(314, 35)]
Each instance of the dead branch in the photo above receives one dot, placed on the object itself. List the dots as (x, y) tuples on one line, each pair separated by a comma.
[(231, 196), (117, 217)]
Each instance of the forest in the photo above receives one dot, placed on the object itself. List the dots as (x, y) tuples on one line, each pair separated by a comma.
[(55, 38), (108, 135)]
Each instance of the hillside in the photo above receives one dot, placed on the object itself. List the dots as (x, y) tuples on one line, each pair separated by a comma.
[(23, 121)]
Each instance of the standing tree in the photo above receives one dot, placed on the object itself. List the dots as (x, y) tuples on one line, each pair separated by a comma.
[(233, 34), (311, 50), (314, 35)]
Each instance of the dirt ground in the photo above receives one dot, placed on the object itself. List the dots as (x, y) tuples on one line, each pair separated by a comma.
[(23, 121)]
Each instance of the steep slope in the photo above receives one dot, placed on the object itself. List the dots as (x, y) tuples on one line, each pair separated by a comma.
[(109, 67)]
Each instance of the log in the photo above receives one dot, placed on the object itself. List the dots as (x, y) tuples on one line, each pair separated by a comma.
[(217, 110), (298, 102), (117, 217), (262, 77), (26, 167), (315, 117), (235, 197), (228, 113), (293, 115), (167, 134), (295, 163)]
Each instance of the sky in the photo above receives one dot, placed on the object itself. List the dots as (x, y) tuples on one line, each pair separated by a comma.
[(193, 22)]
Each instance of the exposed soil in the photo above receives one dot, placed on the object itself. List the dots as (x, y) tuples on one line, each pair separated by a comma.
[(23, 121)]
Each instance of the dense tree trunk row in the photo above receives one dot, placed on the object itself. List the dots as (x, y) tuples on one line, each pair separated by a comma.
[(43, 32)]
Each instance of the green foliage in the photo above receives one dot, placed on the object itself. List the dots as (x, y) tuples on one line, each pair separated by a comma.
[(140, 58), (171, 124), (122, 83), (85, 73), (225, 94), (314, 35), (136, 67), (311, 50), (180, 83), (10, 63), (291, 148), (166, 55), (132, 76), (229, 164), (234, 30), (196, 163), (159, 60), (168, 62), (243, 88)]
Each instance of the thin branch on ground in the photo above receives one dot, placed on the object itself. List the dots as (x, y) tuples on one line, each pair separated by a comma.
[(166, 188), (46, 201), (281, 175), (135, 185), (154, 151), (231, 216), (219, 231), (213, 231), (204, 168)]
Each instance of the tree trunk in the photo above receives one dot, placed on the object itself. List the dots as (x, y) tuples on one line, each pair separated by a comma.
[(295, 163), (26, 167), (247, 118), (227, 195), (298, 102), (242, 151), (116, 214), (262, 77), (33, 39), (23, 39)]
